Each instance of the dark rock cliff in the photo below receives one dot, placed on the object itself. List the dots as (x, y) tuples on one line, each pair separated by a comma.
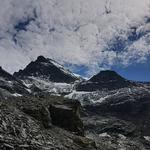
[(46, 69)]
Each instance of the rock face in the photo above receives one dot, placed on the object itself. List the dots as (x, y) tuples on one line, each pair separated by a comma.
[(108, 80), (48, 70), (40, 113), (124, 113), (67, 117), (131, 106), (11, 86), (113, 133)]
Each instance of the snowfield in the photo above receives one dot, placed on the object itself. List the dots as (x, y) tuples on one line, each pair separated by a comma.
[(96, 97), (50, 87)]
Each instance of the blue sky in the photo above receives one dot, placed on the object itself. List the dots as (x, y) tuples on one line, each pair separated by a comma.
[(137, 72)]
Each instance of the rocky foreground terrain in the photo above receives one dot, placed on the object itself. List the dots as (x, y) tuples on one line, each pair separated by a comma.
[(46, 107), (42, 123)]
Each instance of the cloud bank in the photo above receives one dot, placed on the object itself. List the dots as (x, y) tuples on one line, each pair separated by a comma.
[(96, 34)]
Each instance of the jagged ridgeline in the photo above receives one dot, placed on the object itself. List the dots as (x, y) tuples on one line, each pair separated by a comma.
[(46, 69), (11, 86)]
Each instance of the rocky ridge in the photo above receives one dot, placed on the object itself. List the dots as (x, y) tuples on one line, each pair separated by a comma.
[(11, 86), (47, 75), (46, 69)]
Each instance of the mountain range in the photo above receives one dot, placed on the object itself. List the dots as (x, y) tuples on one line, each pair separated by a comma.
[(106, 111)]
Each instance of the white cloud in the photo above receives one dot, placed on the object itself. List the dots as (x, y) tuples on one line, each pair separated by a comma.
[(72, 31)]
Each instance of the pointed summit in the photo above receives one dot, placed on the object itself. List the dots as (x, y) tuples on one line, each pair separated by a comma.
[(41, 59), (46, 69), (107, 76), (105, 80)]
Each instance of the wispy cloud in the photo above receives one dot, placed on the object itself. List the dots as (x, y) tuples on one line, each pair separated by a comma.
[(93, 33)]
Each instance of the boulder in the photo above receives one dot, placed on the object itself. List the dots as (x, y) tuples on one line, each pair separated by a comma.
[(67, 117), (41, 114)]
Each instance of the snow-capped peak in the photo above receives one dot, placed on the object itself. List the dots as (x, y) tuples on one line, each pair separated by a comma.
[(47, 69)]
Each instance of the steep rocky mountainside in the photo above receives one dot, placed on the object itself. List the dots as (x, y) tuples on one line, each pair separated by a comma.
[(11, 86), (108, 79), (46, 69), (47, 75)]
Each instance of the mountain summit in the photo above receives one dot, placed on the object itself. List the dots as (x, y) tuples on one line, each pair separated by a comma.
[(46, 69), (107, 79), (107, 76)]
